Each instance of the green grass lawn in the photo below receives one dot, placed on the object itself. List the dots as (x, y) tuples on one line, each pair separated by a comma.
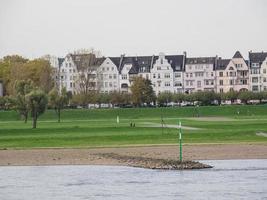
[(97, 128)]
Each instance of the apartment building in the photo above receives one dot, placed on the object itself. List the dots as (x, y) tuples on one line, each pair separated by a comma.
[(232, 74), (168, 73), (78, 72), (199, 74), (257, 77)]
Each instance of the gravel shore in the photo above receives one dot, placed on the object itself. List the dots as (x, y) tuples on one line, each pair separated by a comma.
[(103, 156)]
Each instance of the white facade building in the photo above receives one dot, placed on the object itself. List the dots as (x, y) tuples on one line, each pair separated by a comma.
[(257, 76), (199, 74), (232, 74), (168, 73), (108, 76)]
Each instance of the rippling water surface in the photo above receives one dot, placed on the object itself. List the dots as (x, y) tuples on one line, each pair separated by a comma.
[(229, 179)]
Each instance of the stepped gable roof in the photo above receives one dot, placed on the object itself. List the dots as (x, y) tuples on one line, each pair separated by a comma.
[(201, 60), (237, 55), (222, 64), (84, 61), (257, 57), (176, 61)]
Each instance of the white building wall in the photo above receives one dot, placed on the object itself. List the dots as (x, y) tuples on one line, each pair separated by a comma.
[(69, 76), (255, 77), (263, 72), (199, 77), (162, 75), (178, 81), (124, 78), (108, 76)]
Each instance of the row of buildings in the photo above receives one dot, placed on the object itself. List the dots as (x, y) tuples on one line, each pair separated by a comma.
[(173, 73)]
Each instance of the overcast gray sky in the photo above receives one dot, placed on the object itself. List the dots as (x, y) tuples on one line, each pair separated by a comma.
[(33, 28)]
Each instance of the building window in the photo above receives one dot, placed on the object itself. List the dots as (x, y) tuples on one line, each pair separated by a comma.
[(221, 82), (206, 82), (177, 75), (167, 84), (191, 83), (167, 75), (264, 71), (177, 84), (154, 75), (221, 74), (255, 88), (221, 90), (254, 80), (243, 82), (198, 83), (114, 76), (231, 82), (124, 76), (158, 75), (158, 68), (71, 84)]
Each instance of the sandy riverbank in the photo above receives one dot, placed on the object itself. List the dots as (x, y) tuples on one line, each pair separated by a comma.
[(95, 156)]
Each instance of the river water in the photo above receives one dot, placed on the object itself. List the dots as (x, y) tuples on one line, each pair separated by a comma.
[(229, 179)]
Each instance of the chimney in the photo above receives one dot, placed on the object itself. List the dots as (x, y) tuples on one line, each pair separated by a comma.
[(122, 56), (184, 60)]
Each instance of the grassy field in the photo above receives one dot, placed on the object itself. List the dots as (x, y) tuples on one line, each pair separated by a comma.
[(98, 128)]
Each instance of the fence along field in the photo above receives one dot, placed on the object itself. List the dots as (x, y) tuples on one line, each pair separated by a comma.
[(82, 128)]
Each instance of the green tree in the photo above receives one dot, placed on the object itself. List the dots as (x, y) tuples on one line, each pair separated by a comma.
[(142, 91), (58, 100), (205, 97), (7, 103), (261, 96), (164, 98), (37, 101), (245, 96), (178, 97), (22, 89), (231, 96), (7, 74)]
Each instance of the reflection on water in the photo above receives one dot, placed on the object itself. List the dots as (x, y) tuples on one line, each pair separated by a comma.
[(229, 179)]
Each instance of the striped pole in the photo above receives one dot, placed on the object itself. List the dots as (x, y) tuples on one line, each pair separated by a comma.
[(180, 140)]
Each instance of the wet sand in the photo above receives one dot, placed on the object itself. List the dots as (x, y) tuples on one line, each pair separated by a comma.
[(95, 156)]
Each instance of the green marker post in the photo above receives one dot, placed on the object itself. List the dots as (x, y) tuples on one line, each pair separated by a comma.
[(180, 141)]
